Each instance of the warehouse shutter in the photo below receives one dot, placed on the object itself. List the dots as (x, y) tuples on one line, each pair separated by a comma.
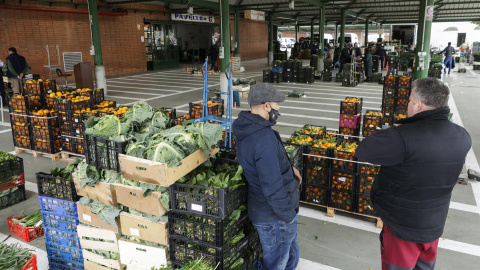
[(70, 59)]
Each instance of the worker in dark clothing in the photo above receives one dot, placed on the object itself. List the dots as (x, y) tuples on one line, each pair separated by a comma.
[(344, 57), (449, 51), (358, 52), (17, 68), (273, 183), (368, 65), (314, 48), (2, 87), (421, 158), (382, 54), (213, 57)]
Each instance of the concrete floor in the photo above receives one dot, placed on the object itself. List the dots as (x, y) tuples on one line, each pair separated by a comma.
[(342, 242)]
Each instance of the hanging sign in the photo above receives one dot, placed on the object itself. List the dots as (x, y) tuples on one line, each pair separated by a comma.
[(429, 13), (255, 15), (192, 18)]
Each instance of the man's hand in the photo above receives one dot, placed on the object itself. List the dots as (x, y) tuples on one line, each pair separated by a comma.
[(298, 177)]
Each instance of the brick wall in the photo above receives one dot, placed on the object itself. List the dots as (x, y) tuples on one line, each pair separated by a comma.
[(122, 49)]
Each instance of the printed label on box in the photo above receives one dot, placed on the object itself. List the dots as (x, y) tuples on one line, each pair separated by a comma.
[(87, 218), (343, 179), (135, 232), (197, 207)]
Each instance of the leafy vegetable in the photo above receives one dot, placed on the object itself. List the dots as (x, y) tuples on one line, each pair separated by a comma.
[(109, 127), (91, 175), (148, 216), (236, 239), (13, 257), (33, 220), (220, 176), (107, 213), (67, 171), (140, 112)]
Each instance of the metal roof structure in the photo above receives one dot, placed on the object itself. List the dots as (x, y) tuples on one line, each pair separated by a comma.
[(357, 11)]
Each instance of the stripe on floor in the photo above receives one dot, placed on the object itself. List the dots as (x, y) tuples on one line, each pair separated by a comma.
[(309, 265)]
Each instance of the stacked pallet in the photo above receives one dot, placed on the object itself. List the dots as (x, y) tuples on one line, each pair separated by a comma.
[(289, 71), (327, 69), (350, 116), (436, 67), (393, 65), (396, 93), (12, 180), (372, 122)]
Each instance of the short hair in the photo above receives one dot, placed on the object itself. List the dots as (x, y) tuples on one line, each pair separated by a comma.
[(12, 49), (367, 50), (432, 92), (449, 43)]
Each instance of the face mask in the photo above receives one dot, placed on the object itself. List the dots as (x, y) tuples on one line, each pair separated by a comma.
[(273, 115)]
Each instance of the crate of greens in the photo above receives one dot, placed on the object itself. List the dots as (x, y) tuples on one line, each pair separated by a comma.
[(13, 181), (210, 231), (58, 184), (28, 227), (16, 257), (12, 196)]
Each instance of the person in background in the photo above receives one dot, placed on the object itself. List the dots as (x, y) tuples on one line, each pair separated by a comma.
[(344, 57), (358, 52), (331, 51), (449, 51), (368, 65), (273, 183), (213, 57), (314, 48), (382, 54), (17, 67), (421, 158), (2, 87)]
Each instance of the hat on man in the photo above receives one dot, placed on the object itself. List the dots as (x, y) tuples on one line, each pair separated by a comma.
[(264, 92)]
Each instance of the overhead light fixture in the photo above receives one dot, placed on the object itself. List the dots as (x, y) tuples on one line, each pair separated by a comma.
[(291, 5), (190, 10)]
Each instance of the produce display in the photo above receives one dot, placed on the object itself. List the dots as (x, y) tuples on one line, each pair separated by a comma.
[(366, 182), (351, 105), (316, 195), (28, 227), (316, 175), (16, 257), (365, 205), (214, 108), (341, 199)]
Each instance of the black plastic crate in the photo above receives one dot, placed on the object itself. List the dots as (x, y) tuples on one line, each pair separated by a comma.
[(349, 133), (47, 146), (206, 230), (22, 141), (69, 105), (390, 91), (66, 126), (49, 119), (401, 102), (105, 104), (401, 109), (405, 81), (372, 119), (314, 156), (56, 187), (343, 180), (391, 80), (212, 202), (64, 115), (19, 116), (366, 169), (316, 175), (46, 132), (96, 95), (12, 196), (196, 110), (73, 143), (103, 153), (342, 199), (21, 129), (365, 205), (25, 103), (352, 108), (387, 120), (316, 194), (10, 167), (172, 112), (369, 131), (403, 93), (388, 100), (388, 111), (365, 183), (182, 251), (39, 88)]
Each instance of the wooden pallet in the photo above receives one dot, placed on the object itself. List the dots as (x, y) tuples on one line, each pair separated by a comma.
[(36, 154), (331, 213), (70, 157)]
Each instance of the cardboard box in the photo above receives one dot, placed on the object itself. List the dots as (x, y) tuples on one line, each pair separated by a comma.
[(86, 216), (92, 232), (101, 192), (157, 173), (92, 261), (144, 229), (140, 256), (133, 197)]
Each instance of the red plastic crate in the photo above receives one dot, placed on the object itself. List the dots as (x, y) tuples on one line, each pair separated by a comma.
[(31, 264), (27, 234), (17, 181)]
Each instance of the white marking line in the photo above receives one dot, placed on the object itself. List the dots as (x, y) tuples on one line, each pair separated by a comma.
[(32, 187), (369, 227), (465, 207), (135, 93), (329, 87), (5, 131), (319, 103), (309, 265), (471, 160), (120, 97), (153, 89), (169, 83), (308, 94), (323, 90), (42, 261), (6, 124)]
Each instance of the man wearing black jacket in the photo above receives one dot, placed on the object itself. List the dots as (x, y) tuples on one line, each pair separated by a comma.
[(421, 158), (17, 68)]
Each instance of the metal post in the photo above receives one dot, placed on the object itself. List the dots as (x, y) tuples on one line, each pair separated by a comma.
[(225, 44), (100, 79), (342, 32), (322, 30), (311, 32), (237, 32), (423, 41), (296, 32), (270, 38), (366, 33)]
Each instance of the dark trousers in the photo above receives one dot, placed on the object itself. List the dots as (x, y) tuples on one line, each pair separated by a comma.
[(383, 62), (214, 65), (2, 91)]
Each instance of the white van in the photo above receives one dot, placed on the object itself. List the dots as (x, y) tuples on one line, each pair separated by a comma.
[(288, 42), (350, 37)]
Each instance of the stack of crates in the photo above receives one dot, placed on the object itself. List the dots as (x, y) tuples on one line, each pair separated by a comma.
[(60, 220), (268, 76), (376, 63), (396, 93), (327, 69), (436, 67), (288, 71), (343, 175), (12, 180), (277, 71), (372, 122), (366, 176), (348, 74), (405, 61), (309, 75), (314, 61), (45, 131), (296, 68), (392, 60), (201, 226), (350, 116)]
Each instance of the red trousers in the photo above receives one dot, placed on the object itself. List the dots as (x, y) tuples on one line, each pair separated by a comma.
[(398, 254)]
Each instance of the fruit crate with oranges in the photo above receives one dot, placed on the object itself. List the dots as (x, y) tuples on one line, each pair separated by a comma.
[(369, 131), (388, 100), (196, 109), (343, 180), (318, 132), (96, 95), (25, 102), (344, 155), (75, 103), (51, 98), (365, 183), (372, 119), (22, 141), (315, 194), (120, 111), (106, 104), (350, 121), (21, 129), (405, 81), (47, 146), (44, 117), (403, 93), (319, 152), (39, 87), (46, 132), (20, 116), (183, 120), (351, 105), (401, 102), (316, 175), (349, 133), (73, 143), (365, 205), (342, 199), (391, 80), (388, 111), (399, 116), (387, 120)]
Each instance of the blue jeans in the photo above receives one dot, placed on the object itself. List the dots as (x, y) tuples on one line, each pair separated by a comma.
[(448, 63), (279, 244)]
